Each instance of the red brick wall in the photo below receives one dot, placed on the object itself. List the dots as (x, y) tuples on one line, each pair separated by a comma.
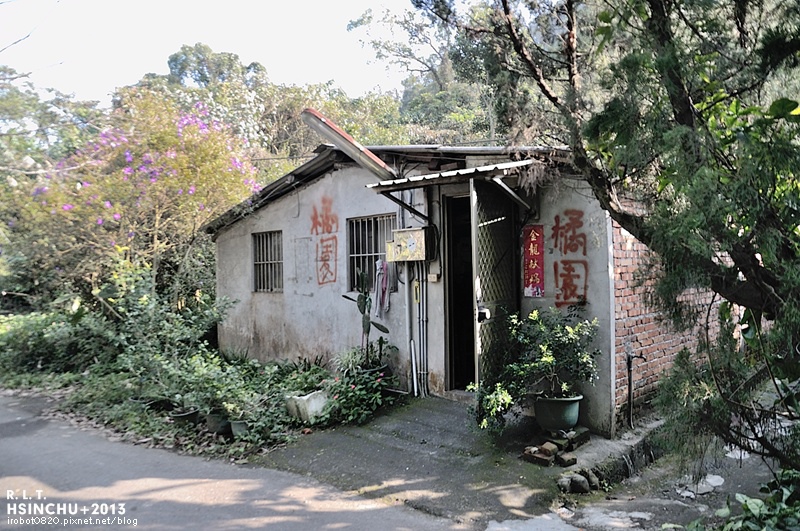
[(637, 327)]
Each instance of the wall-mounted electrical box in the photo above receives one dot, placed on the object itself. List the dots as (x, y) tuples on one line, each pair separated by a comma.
[(411, 245)]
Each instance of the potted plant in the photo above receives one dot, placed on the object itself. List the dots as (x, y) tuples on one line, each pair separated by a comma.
[(204, 376), (237, 413), (185, 411), (545, 355)]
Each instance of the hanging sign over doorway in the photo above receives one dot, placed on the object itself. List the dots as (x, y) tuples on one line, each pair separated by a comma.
[(533, 267)]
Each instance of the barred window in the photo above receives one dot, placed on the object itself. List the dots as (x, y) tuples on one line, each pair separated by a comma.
[(268, 261), (366, 243)]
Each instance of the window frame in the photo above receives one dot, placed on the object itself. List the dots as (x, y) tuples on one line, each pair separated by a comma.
[(267, 260), (367, 248)]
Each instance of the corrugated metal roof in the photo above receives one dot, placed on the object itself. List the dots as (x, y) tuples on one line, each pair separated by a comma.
[(418, 181), (306, 172), (328, 156)]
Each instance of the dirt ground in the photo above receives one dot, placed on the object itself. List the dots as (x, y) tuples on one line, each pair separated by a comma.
[(670, 492)]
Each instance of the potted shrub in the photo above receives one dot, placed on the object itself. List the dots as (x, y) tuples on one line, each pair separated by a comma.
[(242, 408), (185, 410), (546, 354), (209, 383), (238, 413)]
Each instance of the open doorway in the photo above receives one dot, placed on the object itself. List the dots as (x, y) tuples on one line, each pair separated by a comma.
[(461, 331)]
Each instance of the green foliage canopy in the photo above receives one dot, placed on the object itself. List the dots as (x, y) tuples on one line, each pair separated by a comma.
[(146, 184)]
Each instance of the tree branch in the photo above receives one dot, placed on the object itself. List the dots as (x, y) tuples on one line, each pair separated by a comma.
[(525, 55), (668, 64)]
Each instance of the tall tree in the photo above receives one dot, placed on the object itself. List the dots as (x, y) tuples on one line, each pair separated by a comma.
[(143, 186), (441, 103), (267, 115), (676, 117), (34, 134)]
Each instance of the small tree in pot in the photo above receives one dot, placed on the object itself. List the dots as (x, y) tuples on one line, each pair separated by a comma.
[(542, 355)]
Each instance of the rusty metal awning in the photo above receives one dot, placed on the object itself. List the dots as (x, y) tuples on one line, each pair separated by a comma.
[(491, 172), (448, 177)]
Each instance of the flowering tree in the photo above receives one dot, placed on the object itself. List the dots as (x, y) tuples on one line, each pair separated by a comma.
[(144, 187)]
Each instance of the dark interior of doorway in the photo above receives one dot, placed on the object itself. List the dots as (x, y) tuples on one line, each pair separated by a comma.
[(461, 342)]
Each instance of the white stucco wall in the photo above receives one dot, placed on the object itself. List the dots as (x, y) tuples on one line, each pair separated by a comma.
[(309, 318), (572, 200)]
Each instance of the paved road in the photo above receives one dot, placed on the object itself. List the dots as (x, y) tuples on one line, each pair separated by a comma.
[(88, 482), (50, 462)]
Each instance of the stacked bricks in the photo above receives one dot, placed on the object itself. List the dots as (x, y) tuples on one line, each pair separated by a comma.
[(557, 450)]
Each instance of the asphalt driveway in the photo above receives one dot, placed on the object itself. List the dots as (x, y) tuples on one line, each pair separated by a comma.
[(422, 466), (52, 468)]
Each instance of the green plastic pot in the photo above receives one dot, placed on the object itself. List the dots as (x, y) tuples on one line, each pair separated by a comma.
[(557, 414)]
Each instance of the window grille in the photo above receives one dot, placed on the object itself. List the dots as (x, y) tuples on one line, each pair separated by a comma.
[(366, 243), (268, 261)]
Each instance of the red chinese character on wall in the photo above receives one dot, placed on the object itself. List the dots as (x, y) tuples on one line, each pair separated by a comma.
[(324, 220), (326, 259), (567, 238), (571, 275), (572, 280), (324, 223)]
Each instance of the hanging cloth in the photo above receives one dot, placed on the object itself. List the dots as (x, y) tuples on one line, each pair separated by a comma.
[(381, 288)]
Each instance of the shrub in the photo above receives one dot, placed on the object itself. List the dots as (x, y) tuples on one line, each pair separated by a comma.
[(373, 356), (55, 342), (302, 377), (355, 396)]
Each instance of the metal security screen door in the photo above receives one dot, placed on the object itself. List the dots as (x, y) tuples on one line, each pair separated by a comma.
[(494, 252)]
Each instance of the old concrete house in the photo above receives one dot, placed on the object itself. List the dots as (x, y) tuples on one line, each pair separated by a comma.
[(467, 243)]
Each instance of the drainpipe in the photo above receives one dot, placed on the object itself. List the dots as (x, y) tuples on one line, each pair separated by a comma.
[(424, 340), (409, 329), (421, 348)]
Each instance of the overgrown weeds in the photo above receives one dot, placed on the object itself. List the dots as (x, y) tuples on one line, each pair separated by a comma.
[(123, 362)]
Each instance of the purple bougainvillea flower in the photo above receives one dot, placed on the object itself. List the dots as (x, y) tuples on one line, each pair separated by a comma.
[(127, 170), (191, 190), (128, 156), (99, 221), (107, 204), (117, 215), (67, 207)]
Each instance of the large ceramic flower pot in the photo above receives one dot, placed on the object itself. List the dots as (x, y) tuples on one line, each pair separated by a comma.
[(557, 414)]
